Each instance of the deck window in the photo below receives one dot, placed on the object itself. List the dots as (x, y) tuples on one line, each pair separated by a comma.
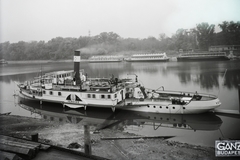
[(88, 95), (93, 96), (115, 95), (44, 92), (102, 96), (109, 96), (59, 93), (51, 93)]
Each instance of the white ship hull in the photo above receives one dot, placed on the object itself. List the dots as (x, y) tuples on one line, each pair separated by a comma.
[(146, 105)]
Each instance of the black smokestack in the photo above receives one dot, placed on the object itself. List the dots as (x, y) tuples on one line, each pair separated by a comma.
[(76, 60)]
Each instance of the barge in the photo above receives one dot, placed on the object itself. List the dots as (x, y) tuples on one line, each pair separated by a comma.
[(210, 56)]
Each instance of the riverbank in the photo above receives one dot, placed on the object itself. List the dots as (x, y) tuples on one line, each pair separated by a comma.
[(63, 134), (38, 61)]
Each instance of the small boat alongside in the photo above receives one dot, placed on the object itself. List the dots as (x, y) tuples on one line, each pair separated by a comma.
[(207, 56), (75, 89), (104, 59), (151, 57)]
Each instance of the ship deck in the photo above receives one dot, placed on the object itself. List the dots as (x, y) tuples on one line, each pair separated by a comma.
[(142, 102)]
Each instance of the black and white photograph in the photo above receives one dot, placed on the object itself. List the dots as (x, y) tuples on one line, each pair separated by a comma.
[(119, 79)]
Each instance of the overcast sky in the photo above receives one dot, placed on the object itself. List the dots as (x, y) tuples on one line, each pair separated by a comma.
[(35, 20)]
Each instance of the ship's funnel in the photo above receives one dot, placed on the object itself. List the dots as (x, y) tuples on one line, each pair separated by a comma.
[(76, 60)]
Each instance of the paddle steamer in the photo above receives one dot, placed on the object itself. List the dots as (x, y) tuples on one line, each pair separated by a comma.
[(151, 57), (102, 59), (75, 89)]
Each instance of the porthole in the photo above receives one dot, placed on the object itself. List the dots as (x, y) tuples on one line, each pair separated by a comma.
[(160, 107), (154, 106), (173, 107), (183, 107), (167, 107)]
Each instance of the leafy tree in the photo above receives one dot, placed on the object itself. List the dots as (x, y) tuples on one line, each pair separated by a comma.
[(200, 37), (205, 34)]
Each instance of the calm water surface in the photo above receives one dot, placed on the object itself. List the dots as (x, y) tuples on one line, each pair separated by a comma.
[(204, 77)]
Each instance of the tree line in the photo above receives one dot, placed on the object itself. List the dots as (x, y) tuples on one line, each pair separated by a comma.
[(198, 38)]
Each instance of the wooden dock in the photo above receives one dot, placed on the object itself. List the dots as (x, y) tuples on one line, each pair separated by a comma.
[(15, 149), (26, 149)]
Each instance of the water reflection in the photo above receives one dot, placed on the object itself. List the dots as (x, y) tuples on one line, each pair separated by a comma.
[(205, 80), (209, 75), (105, 118), (232, 78)]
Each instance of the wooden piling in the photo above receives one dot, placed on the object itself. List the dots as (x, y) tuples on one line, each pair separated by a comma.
[(35, 137), (87, 140)]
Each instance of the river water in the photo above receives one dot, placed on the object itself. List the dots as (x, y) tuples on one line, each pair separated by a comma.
[(204, 77)]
